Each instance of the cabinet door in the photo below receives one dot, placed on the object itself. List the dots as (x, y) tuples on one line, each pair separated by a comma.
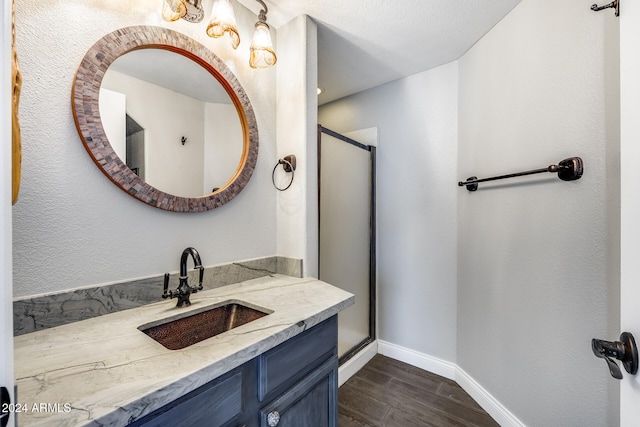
[(311, 403), (282, 367), (216, 403)]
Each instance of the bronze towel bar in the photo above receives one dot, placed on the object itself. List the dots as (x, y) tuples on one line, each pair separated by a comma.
[(568, 170)]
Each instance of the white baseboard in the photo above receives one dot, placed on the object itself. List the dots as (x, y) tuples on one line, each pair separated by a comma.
[(357, 362), (487, 401), (453, 372), (420, 360)]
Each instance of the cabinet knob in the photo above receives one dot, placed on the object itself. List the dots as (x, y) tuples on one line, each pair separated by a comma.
[(273, 418)]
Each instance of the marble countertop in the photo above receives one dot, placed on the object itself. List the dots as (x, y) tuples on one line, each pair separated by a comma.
[(105, 372)]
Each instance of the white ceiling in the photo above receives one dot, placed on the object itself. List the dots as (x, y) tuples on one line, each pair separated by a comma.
[(363, 44), (160, 67)]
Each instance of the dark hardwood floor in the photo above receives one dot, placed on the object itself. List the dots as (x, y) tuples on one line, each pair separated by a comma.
[(390, 393)]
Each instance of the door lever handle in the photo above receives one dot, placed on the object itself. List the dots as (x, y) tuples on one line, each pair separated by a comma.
[(624, 350)]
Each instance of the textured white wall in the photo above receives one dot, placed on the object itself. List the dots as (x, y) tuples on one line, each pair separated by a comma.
[(72, 227), (416, 119), (297, 207), (537, 256)]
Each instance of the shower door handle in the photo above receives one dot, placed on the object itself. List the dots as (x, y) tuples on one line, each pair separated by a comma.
[(624, 350)]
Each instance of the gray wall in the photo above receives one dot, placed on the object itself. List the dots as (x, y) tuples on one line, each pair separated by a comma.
[(537, 261), (416, 204), (537, 258)]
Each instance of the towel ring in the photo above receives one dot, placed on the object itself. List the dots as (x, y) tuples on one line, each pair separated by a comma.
[(288, 165)]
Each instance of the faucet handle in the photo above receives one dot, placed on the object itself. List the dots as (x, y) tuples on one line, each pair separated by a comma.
[(167, 293), (200, 277)]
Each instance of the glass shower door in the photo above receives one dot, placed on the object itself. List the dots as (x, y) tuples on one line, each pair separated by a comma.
[(347, 233)]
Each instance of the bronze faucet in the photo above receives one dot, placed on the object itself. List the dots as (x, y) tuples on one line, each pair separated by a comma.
[(184, 291)]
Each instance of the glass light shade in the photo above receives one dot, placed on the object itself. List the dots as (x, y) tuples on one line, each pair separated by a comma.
[(222, 21), (172, 10), (262, 54)]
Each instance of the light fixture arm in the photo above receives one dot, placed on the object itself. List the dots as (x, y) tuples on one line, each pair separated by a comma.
[(223, 21), (615, 4), (262, 16), (195, 11)]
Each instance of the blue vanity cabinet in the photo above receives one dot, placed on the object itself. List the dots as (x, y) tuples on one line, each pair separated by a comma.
[(299, 380), (217, 403), (310, 403), (293, 384)]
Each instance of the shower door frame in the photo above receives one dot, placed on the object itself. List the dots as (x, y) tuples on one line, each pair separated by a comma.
[(372, 236)]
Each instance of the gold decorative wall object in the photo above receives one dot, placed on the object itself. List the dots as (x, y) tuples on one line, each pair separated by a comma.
[(16, 78)]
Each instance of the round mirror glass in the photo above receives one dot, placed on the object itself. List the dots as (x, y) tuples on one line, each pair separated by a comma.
[(165, 119), (171, 122)]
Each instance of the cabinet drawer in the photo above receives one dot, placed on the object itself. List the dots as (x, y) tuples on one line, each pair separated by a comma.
[(215, 404), (311, 403), (290, 361)]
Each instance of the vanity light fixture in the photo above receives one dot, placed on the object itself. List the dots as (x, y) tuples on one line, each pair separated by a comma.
[(189, 10), (262, 53), (223, 21), (172, 10)]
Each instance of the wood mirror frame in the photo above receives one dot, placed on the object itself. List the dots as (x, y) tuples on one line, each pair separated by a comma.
[(86, 112)]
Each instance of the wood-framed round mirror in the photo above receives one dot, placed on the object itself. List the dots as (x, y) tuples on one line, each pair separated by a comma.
[(93, 123)]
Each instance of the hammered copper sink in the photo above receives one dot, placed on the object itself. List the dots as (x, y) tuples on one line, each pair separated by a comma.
[(178, 333)]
